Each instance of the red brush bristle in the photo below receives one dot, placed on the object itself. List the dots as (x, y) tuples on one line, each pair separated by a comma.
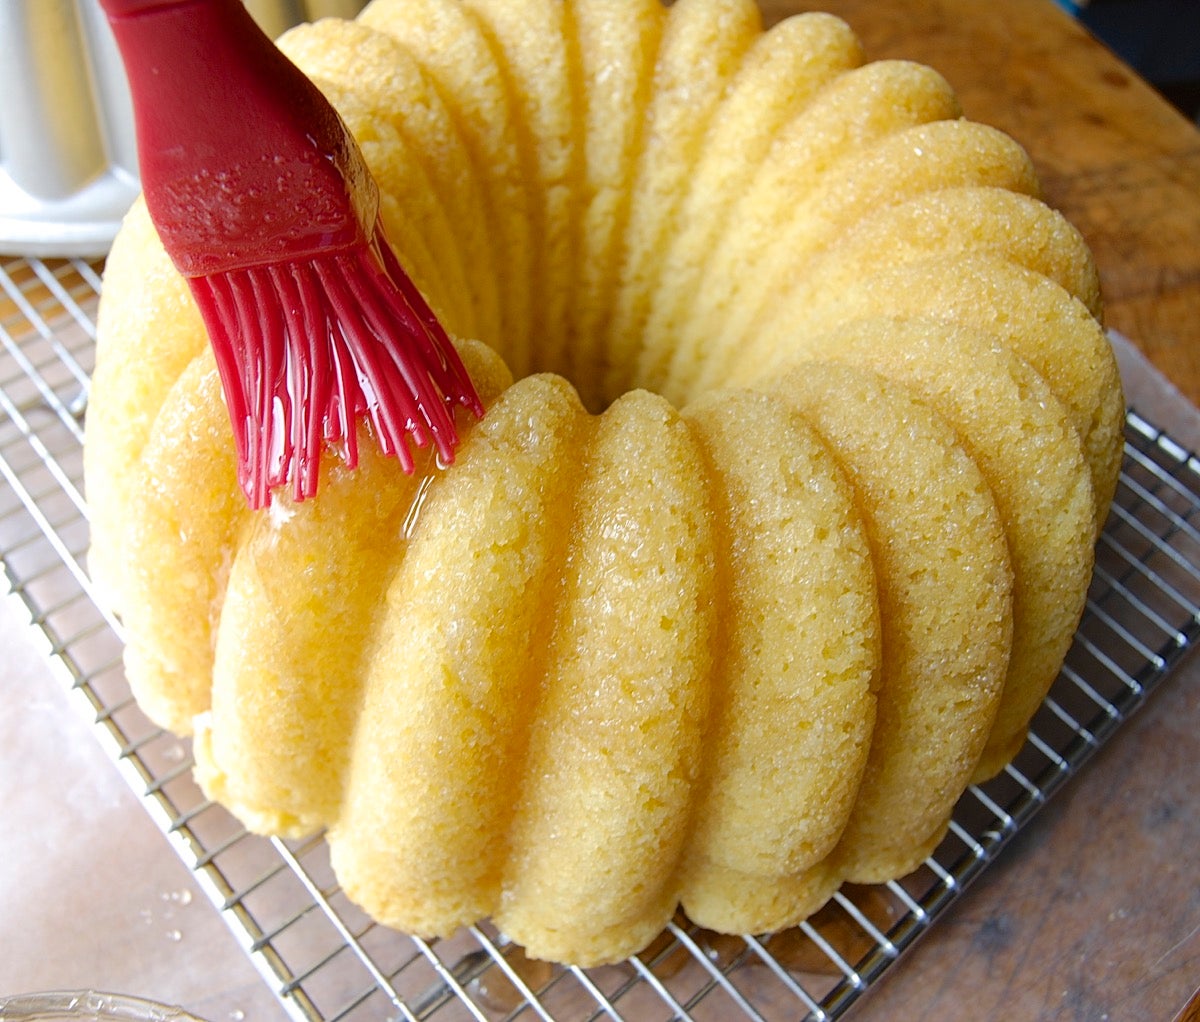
[(307, 348), (272, 216)]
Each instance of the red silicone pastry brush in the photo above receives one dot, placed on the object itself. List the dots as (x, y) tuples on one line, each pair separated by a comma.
[(263, 202)]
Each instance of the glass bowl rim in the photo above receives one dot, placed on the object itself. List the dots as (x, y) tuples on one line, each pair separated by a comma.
[(88, 1004)]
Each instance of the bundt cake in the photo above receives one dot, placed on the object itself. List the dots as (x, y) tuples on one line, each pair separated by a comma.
[(731, 617)]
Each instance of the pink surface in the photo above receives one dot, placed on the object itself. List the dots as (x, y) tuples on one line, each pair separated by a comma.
[(91, 894)]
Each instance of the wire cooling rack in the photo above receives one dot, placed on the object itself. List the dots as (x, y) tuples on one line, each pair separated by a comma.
[(326, 960)]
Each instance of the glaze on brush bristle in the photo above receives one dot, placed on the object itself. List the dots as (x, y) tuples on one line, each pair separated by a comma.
[(307, 348)]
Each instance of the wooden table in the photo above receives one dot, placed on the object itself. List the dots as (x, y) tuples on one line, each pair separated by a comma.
[(1094, 912)]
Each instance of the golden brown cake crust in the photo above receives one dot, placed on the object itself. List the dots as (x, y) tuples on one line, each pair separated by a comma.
[(730, 617)]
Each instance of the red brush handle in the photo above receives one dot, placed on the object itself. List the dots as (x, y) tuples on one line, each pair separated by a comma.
[(243, 161)]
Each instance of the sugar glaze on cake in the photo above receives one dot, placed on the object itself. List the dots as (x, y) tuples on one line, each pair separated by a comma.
[(730, 618)]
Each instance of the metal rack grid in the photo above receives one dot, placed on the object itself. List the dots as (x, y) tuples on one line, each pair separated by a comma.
[(326, 960)]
